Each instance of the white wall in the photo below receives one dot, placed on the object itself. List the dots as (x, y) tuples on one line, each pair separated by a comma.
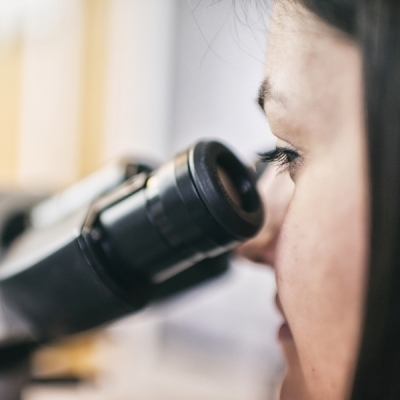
[(141, 50), (219, 67), (52, 58)]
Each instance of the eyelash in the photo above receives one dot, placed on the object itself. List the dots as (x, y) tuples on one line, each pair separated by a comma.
[(284, 157)]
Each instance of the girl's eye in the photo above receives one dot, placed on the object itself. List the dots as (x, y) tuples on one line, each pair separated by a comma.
[(285, 158)]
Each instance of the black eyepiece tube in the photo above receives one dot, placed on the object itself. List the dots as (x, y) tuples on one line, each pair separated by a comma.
[(109, 259)]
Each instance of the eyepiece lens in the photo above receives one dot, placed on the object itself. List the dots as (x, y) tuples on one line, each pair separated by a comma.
[(235, 179), (229, 186)]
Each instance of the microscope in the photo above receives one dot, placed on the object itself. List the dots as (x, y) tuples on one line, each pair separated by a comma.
[(116, 242)]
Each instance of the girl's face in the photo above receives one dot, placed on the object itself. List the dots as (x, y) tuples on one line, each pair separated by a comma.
[(316, 232)]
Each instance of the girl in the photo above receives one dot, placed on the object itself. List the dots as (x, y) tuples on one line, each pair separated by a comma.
[(331, 94)]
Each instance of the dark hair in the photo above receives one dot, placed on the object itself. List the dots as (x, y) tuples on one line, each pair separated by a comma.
[(375, 25)]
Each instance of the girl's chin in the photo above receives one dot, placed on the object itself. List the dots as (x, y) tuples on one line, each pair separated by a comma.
[(292, 388)]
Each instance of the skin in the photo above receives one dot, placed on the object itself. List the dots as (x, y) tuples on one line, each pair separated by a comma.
[(315, 235)]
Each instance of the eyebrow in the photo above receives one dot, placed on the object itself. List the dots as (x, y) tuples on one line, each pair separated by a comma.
[(264, 93)]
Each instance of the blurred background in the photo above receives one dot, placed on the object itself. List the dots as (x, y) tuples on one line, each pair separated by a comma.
[(83, 82)]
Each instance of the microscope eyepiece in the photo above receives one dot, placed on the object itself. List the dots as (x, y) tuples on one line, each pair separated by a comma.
[(199, 205)]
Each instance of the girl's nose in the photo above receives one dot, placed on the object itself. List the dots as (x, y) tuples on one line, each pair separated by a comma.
[(276, 189)]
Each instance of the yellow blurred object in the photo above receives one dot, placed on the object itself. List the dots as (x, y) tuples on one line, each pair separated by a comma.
[(73, 357), (28, 92), (94, 78)]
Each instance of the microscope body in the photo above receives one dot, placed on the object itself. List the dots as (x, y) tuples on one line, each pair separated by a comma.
[(155, 234)]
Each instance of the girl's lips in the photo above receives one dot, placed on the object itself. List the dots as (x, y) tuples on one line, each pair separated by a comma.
[(284, 332)]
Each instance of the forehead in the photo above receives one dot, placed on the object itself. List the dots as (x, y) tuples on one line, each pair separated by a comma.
[(306, 61), (300, 46)]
